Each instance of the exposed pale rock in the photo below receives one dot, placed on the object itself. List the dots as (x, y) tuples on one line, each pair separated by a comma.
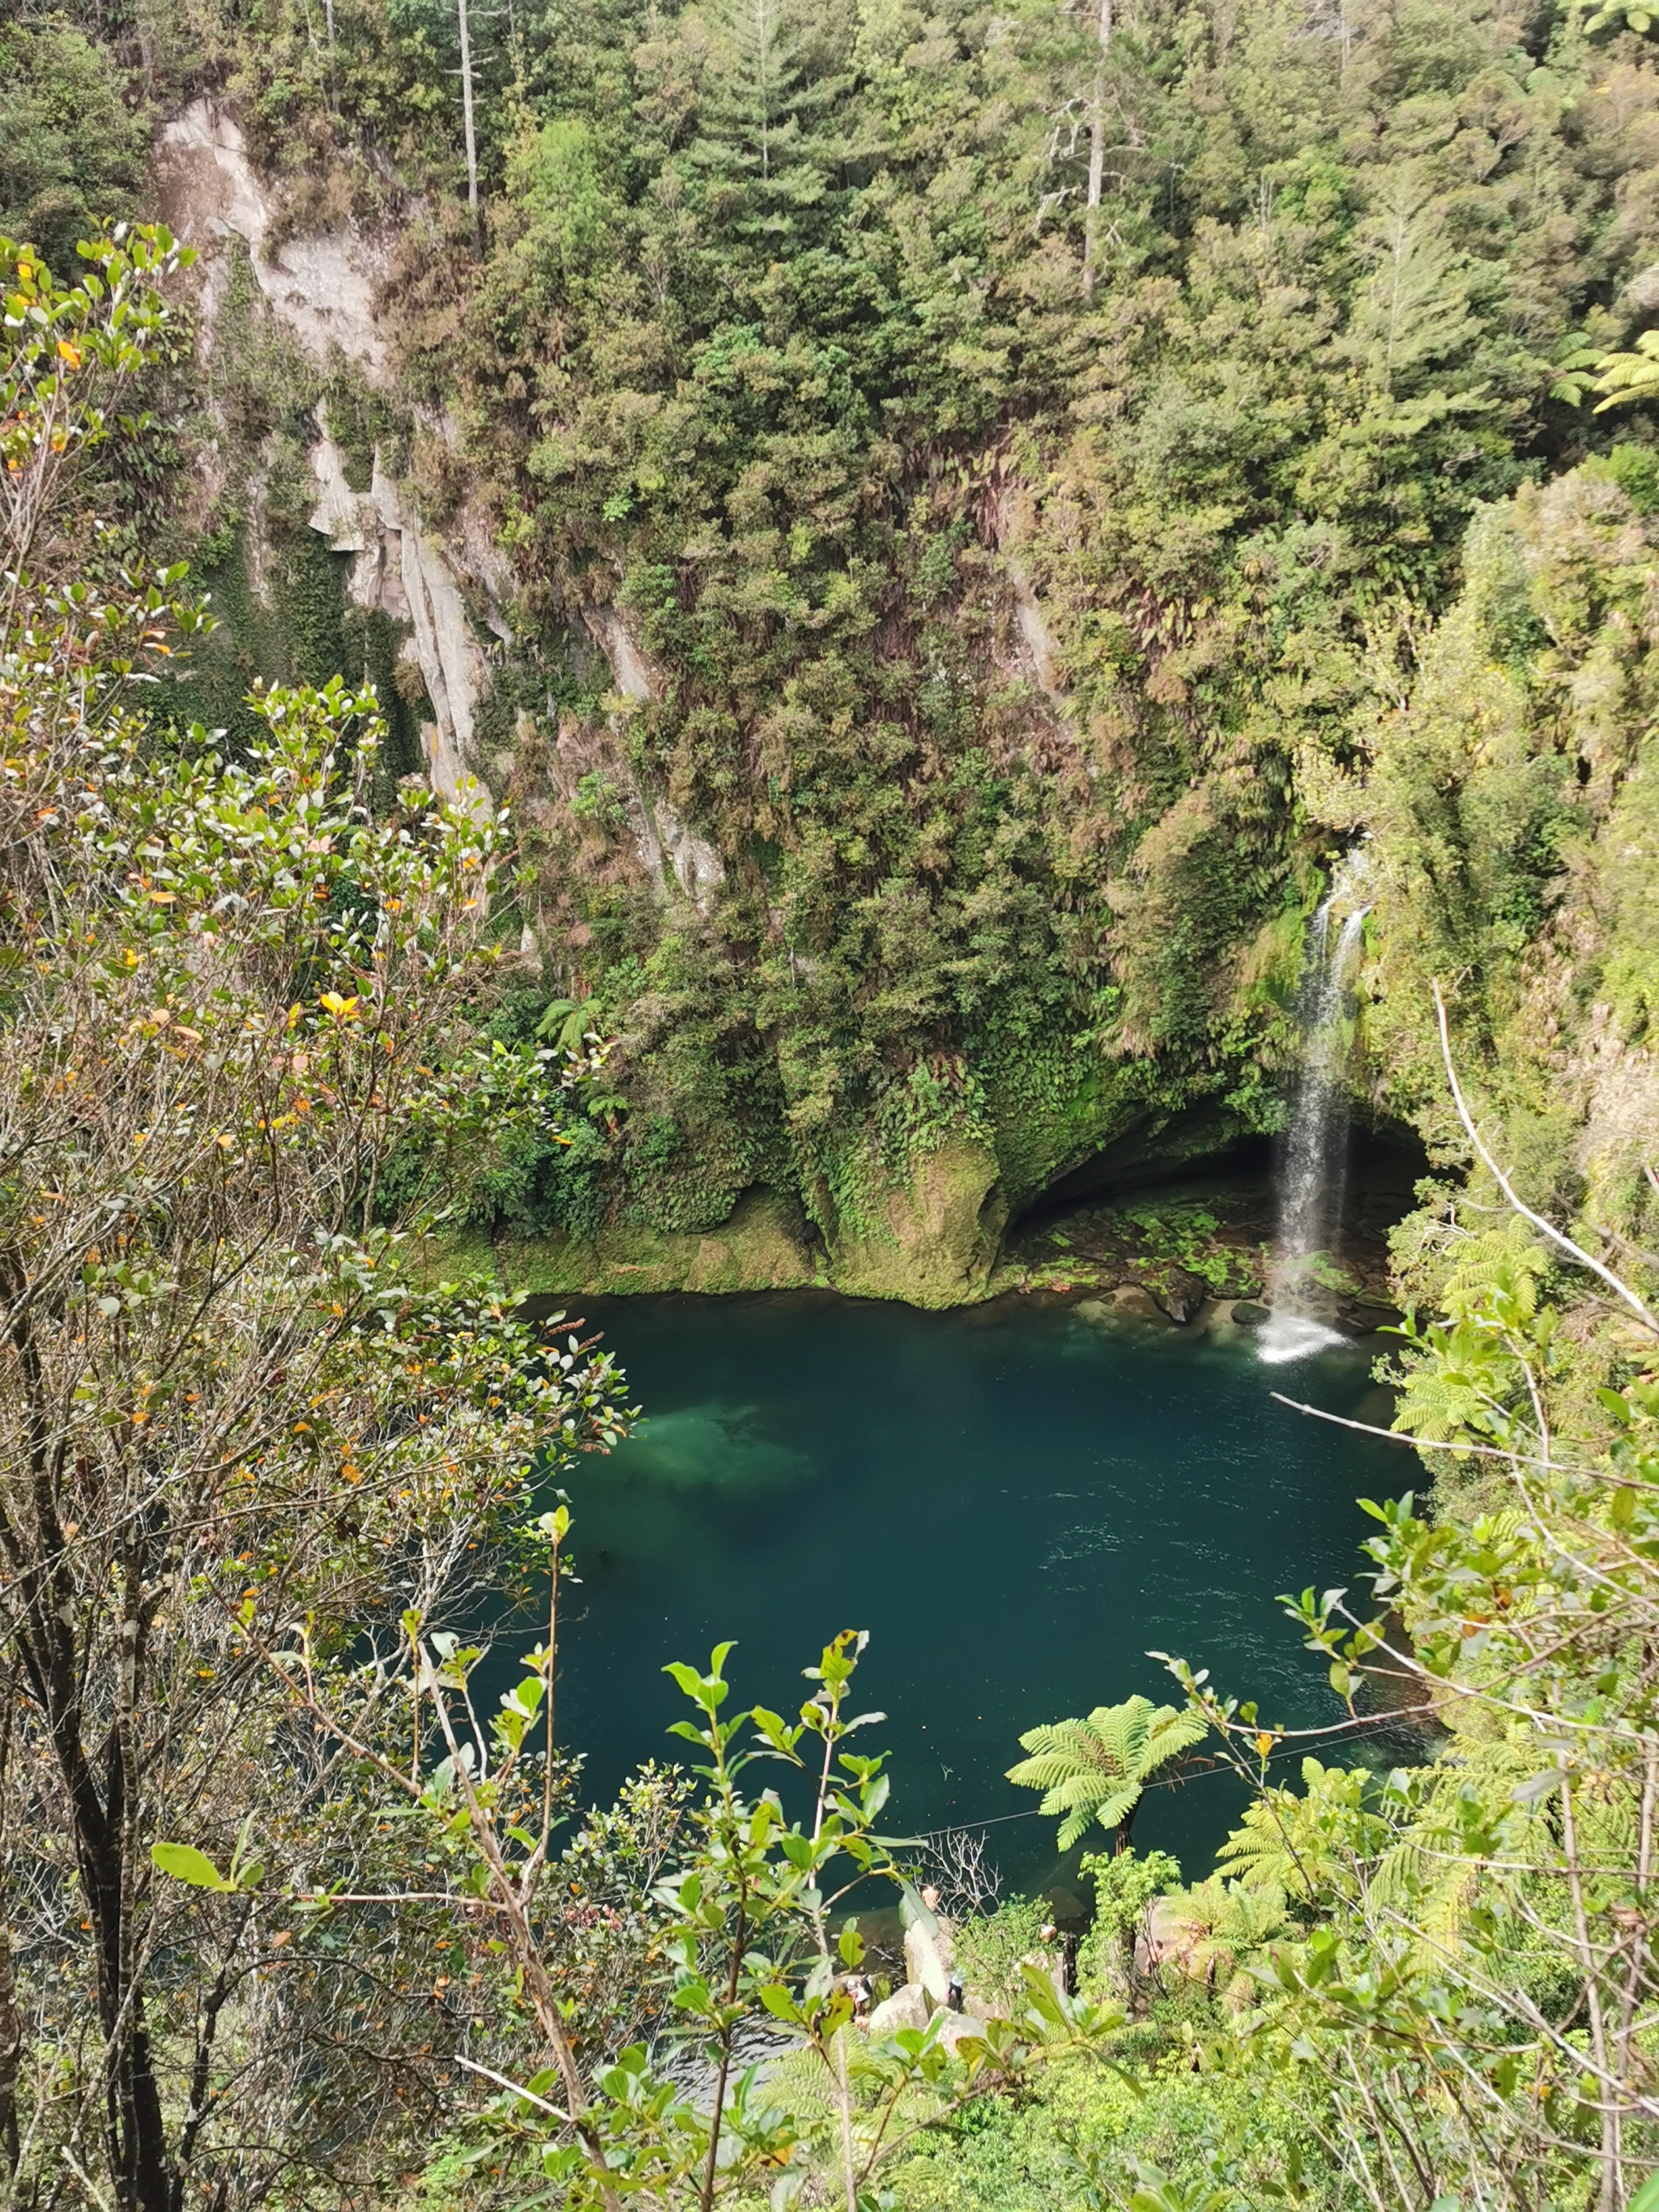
[(1619, 1084), (322, 285), (672, 853), (403, 573), (450, 659), (698, 868), (909, 2006), (627, 669), (927, 1959), (957, 2025), (338, 515), (1038, 641)]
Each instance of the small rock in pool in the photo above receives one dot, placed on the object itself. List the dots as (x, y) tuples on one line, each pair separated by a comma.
[(1183, 1293), (1249, 1313)]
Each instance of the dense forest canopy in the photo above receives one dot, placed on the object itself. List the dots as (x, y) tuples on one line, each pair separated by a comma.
[(931, 536), (975, 484), (1020, 586)]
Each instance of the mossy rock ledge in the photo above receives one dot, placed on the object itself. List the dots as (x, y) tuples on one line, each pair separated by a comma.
[(933, 1238), (762, 1245), (931, 1241)]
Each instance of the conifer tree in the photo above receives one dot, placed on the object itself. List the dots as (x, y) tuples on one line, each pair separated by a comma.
[(760, 142), (1414, 313)]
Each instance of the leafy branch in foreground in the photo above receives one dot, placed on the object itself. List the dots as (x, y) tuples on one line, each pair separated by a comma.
[(72, 353), (232, 1400), (1472, 2009), (766, 2083)]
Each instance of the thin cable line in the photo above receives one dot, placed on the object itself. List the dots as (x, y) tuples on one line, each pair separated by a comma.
[(1159, 1782)]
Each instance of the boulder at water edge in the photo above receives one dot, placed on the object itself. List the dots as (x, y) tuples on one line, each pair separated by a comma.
[(927, 1952), (907, 2008)]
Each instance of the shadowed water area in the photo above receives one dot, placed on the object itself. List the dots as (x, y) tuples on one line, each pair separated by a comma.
[(1017, 1503)]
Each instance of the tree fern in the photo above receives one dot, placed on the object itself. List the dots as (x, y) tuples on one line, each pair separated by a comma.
[(1220, 1932), (1096, 1769), (1499, 1271), (1468, 1379), (1310, 1844)]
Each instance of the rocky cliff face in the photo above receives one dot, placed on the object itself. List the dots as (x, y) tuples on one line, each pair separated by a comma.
[(308, 442), (931, 674), (1506, 797), (321, 290)]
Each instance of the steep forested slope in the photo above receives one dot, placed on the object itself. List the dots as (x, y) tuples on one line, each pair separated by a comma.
[(974, 495), (1512, 801), (998, 616)]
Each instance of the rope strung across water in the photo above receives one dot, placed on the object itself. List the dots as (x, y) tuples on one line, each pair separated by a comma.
[(1158, 1782)]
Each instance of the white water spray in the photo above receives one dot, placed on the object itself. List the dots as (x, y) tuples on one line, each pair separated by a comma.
[(1314, 1170)]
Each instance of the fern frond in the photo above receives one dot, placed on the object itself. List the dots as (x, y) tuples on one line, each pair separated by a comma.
[(1096, 1769)]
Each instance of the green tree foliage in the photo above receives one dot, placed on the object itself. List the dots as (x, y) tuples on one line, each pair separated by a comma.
[(766, 142), (1014, 645), (1098, 1769), (992, 648), (743, 1946), (1476, 1978), (832, 493), (1626, 377), (1222, 1934), (237, 1423), (1509, 809), (73, 139)]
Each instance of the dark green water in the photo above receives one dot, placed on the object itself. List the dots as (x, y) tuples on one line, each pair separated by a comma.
[(1016, 1503)]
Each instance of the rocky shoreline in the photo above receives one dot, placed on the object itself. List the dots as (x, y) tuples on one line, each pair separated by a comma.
[(1200, 1256)]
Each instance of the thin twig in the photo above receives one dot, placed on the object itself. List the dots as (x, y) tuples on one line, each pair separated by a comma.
[(1547, 1228)]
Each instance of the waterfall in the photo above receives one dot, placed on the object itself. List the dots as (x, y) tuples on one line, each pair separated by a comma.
[(1314, 1167)]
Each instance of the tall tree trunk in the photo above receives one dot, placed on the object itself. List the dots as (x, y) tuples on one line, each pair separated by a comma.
[(1097, 151), (11, 2020), (136, 2130), (104, 1826), (137, 2151), (466, 118), (11, 2052)]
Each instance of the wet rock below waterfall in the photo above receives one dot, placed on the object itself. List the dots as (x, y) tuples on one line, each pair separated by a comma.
[(1199, 1255), (1181, 1294)]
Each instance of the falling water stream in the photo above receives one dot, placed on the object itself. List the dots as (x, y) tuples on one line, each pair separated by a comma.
[(1313, 1170), (1022, 1501)]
